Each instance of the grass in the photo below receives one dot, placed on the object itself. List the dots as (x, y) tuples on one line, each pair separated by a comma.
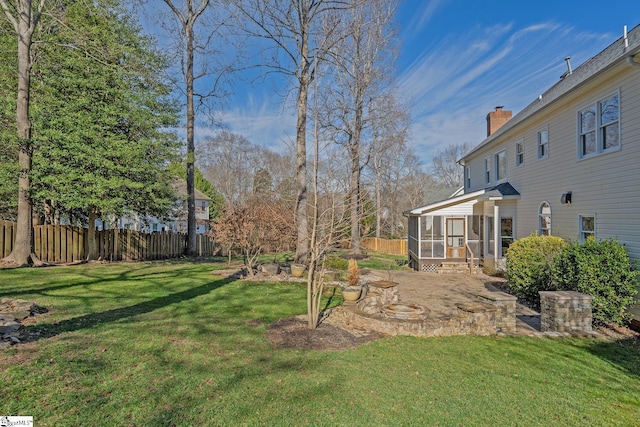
[(170, 344)]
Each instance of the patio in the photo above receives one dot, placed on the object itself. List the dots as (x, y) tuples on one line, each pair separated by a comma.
[(453, 303)]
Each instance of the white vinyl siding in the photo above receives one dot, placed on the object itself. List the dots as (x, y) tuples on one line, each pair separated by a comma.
[(604, 184)]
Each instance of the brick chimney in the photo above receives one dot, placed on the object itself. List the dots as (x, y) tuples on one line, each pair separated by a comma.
[(496, 119)]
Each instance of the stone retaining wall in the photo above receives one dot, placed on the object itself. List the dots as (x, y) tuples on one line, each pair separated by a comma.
[(565, 311), (471, 319), (505, 305)]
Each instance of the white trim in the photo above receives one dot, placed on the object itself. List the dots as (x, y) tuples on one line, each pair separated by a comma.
[(598, 126), (519, 142), (496, 166), (448, 202), (487, 170), (540, 218), (595, 222), (538, 145)]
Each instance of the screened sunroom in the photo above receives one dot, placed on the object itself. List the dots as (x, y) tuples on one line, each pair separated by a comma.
[(464, 229)]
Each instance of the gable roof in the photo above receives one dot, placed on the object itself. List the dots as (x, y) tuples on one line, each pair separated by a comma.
[(499, 192), (180, 187), (618, 51)]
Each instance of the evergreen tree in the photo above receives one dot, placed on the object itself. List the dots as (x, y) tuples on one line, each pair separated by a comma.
[(100, 105)]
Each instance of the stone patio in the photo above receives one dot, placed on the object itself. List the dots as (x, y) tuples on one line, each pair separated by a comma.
[(456, 304)]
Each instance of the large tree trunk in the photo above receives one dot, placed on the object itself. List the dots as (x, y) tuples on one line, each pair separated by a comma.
[(354, 147), (378, 203), (302, 246), (191, 198), (92, 252), (23, 247), (354, 205)]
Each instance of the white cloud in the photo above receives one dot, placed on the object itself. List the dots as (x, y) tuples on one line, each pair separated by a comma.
[(420, 20), (455, 85)]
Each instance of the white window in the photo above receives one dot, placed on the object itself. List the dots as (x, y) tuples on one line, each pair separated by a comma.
[(586, 226), (487, 170), (599, 127), (501, 165), (467, 176), (506, 233), (520, 152), (543, 144), (544, 219)]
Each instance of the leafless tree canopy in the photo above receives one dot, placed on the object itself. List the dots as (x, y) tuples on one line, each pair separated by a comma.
[(444, 165)]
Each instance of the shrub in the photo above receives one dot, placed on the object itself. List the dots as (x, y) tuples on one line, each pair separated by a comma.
[(335, 262), (353, 273), (529, 263), (601, 269)]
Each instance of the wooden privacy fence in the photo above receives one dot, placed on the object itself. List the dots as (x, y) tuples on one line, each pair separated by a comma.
[(387, 246), (65, 244)]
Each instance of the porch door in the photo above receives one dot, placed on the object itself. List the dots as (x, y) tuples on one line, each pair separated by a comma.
[(455, 238)]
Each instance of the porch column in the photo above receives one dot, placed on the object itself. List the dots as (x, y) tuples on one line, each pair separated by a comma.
[(496, 231)]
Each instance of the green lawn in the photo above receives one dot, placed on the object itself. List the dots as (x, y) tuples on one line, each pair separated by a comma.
[(170, 344)]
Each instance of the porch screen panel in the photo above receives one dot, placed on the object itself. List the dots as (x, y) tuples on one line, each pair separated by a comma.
[(474, 235), (413, 235), (432, 236)]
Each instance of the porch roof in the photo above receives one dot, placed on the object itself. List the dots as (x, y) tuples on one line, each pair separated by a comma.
[(504, 191)]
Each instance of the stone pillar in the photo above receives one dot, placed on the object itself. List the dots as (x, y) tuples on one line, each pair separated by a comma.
[(565, 311), (505, 305)]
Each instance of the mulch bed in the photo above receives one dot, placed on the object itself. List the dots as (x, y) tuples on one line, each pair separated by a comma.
[(292, 332)]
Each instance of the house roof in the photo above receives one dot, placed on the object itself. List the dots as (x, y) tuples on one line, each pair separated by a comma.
[(499, 192), (443, 203), (436, 195), (180, 187), (617, 52)]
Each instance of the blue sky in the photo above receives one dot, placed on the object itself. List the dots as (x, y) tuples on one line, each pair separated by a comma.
[(460, 59)]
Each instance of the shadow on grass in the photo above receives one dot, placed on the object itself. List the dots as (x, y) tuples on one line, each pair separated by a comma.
[(623, 353), (93, 319)]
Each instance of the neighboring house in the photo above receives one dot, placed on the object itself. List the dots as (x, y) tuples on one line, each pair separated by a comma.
[(178, 222), (566, 165)]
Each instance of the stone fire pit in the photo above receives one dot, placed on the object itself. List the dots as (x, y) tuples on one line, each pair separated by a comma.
[(403, 311)]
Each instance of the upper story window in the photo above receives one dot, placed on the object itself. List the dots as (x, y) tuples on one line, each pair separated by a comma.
[(544, 219), (487, 170), (543, 143), (599, 127), (520, 152), (467, 177), (501, 165)]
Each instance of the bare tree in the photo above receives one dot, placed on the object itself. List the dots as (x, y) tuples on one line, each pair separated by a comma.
[(328, 223), (362, 62), (188, 13), (444, 165), (297, 44), (391, 157), (253, 227), (24, 16), (234, 166)]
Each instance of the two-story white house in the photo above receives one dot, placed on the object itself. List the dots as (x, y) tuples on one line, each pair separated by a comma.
[(177, 222), (568, 165)]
